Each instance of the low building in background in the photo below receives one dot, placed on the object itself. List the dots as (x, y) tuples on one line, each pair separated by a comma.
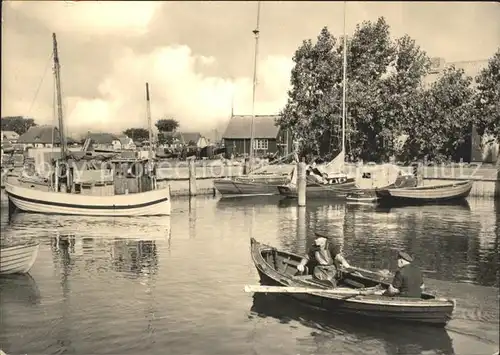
[(268, 137)]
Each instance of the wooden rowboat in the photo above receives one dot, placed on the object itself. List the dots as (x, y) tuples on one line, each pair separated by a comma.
[(442, 193), (278, 268), (18, 259)]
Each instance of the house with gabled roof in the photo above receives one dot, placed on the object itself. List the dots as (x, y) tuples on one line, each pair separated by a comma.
[(102, 141), (44, 136), (268, 137), (183, 139)]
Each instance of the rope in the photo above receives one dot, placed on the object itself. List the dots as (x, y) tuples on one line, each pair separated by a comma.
[(40, 84)]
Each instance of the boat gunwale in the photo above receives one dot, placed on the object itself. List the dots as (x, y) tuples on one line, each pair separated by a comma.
[(455, 186)]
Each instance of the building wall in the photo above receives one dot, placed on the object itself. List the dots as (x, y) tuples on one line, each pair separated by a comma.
[(471, 68), (242, 146)]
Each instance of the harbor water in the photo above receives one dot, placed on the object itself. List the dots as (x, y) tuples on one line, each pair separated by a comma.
[(175, 285)]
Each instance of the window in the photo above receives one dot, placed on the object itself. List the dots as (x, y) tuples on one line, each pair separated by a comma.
[(260, 144)]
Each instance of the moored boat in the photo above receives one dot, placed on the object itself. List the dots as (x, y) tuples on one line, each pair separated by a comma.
[(149, 203), (121, 187), (18, 259), (442, 193), (362, 196), (250, 185), (336, 188), (278, 268)]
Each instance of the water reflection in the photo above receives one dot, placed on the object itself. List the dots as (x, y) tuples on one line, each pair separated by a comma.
[(451, 242), (39, 225), (241, 203), (19, 289), (355, 337), (131, 257)]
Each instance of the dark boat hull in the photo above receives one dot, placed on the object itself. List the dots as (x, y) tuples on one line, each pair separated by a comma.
[(314, 190), (427, 310), (241, 186)]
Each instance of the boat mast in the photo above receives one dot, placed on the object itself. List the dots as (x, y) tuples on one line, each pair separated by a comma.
[(148, 113), (256, 33), (57, 75), (344, 84)]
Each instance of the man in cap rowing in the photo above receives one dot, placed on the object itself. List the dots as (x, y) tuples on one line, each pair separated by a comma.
[(408, 280), (325, 259)]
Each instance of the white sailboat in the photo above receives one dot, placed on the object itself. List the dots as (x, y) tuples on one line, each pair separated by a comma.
[(66, 195)]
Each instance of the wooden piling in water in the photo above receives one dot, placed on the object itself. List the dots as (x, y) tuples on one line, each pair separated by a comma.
[(420, 174), (192, 177), (301, 183), (497, 184)]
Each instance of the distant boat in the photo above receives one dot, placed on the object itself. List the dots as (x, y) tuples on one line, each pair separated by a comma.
[(130, 190), (322, 181), (18, 259), (362, 197), (369, 196), (443, 193), (251, 185)]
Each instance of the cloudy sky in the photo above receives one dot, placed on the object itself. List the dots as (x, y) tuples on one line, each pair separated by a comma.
[(196, 55)]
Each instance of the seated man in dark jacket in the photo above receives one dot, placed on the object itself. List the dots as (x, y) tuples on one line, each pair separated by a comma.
[(408, 281), (325, 259)]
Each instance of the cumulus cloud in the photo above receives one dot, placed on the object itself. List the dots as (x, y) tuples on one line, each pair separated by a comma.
[(95, 17), (178, 89)]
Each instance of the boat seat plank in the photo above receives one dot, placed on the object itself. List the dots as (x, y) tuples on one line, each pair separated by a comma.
[(290, 262)]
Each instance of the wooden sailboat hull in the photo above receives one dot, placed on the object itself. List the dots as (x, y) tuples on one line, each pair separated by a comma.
[(278, 268), (150, 203), (18, 259), (320, 191), (249, 186), (444, 193)]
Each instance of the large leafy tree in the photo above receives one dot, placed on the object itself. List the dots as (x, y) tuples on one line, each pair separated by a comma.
[(17, 124), (441, 118), (382, 74), (137, 134), (314, 100), (487, 98), (167, 125)]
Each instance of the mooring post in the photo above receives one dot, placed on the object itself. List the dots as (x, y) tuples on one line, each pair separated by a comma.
[(192, 177), (301, 183), (497, 183), (420, 174)]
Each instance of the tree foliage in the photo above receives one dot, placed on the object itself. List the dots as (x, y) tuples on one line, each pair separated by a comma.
[(386, 99), (487, 98), (167, 125), (137, 134), (382, 74), (18, 124), (313, 108), (440, 118)]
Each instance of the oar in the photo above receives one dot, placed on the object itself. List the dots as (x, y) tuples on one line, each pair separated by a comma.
[(284, 289)]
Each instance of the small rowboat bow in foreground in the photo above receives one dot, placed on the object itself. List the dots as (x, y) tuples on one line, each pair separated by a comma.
[(18, 259), (357, 293)]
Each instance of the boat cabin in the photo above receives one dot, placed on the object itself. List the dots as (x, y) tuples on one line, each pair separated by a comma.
[(105, 178)]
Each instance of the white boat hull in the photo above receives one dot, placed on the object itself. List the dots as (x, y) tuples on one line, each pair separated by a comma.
[(18, 259), (150, 203)]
